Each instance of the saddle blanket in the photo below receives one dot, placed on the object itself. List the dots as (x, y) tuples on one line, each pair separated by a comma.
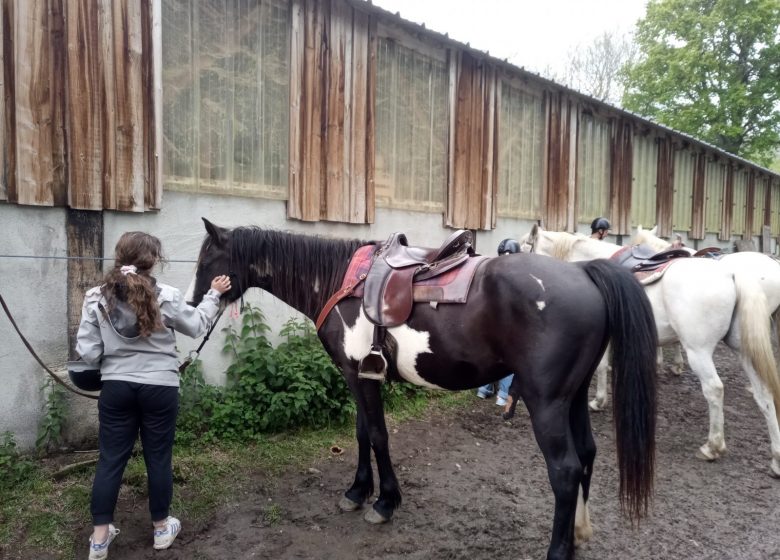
[(449, 287), (644, 277)]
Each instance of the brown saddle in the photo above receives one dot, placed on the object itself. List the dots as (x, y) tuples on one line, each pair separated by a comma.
[(388, 294), (643, 258)]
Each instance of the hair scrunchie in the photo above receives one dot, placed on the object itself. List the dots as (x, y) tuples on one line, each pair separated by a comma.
[(128, 269)]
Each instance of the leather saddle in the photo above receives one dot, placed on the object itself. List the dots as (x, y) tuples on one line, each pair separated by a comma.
[(388, 295), (643, 258)]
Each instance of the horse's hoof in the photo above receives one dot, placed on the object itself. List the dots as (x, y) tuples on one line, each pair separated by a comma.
[(375, 518), (596, 405), (707, 453), (345, 504), (774, 470)]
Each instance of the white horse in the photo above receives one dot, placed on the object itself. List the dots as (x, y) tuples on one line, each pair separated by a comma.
[(698, 303)]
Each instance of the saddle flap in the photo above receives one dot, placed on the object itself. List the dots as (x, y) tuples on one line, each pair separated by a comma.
[(388, 296)]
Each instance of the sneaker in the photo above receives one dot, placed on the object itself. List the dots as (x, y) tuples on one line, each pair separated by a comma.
[(500, 401), (164, 537), (483, 395), (99, 551)]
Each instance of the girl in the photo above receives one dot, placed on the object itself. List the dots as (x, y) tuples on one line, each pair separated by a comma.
[(126, 330)]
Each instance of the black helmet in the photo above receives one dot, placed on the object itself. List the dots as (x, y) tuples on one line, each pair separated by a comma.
[(599, 223), (508, 246)]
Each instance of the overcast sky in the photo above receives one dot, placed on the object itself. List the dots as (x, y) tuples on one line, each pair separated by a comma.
[(529, 33)]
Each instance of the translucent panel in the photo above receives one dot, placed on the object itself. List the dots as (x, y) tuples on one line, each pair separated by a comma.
[(759, 202), (684, 164), (740, 203), (412, 128), (593, 161), (714, 180), (521, 134), (226, 71), (645, 172)]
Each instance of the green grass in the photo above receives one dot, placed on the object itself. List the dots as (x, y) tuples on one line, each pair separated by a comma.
[(42, 514)]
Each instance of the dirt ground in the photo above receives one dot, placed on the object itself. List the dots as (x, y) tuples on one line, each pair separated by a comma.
[(476, 487)]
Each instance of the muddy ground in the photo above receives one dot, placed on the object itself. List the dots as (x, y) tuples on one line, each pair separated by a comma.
[(476, 487)]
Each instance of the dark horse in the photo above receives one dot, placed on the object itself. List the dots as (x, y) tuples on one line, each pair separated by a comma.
[(545, 320)]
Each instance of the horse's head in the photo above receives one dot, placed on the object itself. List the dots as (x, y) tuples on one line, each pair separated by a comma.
[(530, 241), (215, 260), (650, 237)]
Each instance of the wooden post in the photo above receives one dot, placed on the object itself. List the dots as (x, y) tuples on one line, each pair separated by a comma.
[(85, 239)]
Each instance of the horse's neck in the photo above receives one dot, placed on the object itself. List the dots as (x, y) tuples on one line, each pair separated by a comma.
[(588, 249)]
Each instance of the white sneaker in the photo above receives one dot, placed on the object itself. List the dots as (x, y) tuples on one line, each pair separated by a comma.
[(164, 537), (500, 401), (99, 551)]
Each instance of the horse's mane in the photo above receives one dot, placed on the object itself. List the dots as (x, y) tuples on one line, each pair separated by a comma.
[(644, 236), (306, 269), (563, 243)]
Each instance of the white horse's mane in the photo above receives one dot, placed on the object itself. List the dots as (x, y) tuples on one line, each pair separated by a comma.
[(647, 237), (563, 243)]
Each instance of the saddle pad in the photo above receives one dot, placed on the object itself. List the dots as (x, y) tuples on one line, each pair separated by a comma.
[(450, 287), (646, 277)]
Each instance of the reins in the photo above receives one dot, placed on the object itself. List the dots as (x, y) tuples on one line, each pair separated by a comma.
[(37, 359)]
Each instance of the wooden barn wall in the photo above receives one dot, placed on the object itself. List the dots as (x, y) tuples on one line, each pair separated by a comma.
[(593, 167), (332, 112), (79, 114), (665, 187), (774, 207), (683, 189), (700, 204), (474, 178), (621, 170), (561, 162)]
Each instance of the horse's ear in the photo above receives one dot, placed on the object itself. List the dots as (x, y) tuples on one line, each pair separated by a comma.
[(654, 231), (217, 234), (534, 231)]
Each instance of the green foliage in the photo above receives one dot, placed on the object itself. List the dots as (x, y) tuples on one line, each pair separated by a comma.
[(710, 68), (53, 422), (14, 469), (269, 389)]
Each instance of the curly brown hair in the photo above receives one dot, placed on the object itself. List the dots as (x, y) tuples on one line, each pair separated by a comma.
[(138, 290)]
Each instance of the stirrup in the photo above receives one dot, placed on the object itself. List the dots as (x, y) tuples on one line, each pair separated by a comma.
[(373, 366)]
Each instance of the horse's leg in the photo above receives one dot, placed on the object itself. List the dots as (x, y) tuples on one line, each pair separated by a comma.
[(389, 492), (602, 375), (766, 405), (703, 367), (678, 362), (586, 451), (551, 423), (363, 486)]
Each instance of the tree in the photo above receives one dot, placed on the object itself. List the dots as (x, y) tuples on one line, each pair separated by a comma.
[(595, 69), (711, 68)]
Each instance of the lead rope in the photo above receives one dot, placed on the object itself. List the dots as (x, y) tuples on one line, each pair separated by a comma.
[(194, 355), (37, 359)]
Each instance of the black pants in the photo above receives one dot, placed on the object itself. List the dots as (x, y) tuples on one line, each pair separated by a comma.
[(124, 409)]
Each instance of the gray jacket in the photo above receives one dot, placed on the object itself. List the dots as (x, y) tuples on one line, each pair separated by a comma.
[(115, 346)]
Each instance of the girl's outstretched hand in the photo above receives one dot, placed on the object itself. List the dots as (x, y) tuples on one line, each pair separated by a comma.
[(221, 284)]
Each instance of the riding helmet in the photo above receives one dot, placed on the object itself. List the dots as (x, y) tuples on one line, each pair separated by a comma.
[(508, 246), (599, 223)]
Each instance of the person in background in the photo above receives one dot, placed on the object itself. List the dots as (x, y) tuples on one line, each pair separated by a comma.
[(506, 247), (599, 228), (126, 330)]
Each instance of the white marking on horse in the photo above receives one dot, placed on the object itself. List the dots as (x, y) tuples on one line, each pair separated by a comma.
[(539, 280), (410, 344), (583, 530), (541, 305)]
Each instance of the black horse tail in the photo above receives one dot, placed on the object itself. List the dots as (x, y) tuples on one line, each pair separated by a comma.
[(634, 341)]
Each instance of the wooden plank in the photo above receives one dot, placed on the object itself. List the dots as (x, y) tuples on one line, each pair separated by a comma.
[(569, 209), (359, 117), (750, 204), (58, 86), (334, 198), (664, 190), (10, 100), (699, 197), (297, 48), (153, 105), (107, 47), (728, 202), (33, 103), (4, 131), (85, 106), (84, 238), (453, 64), (126, 47), (371, 123)]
